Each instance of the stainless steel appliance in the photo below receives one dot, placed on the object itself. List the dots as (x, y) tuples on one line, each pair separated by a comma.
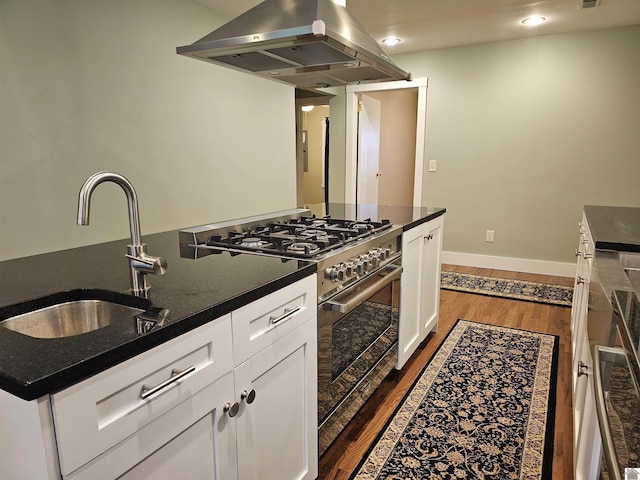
[(358, 290), (307, 43), (616, 375)]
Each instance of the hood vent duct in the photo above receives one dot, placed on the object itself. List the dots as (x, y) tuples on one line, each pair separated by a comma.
[(306, 43)]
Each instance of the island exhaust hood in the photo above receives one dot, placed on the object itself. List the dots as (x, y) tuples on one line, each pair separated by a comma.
[(306, 43)]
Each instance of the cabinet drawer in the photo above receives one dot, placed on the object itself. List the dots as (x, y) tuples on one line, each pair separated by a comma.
[(261, 323), (96, 414)]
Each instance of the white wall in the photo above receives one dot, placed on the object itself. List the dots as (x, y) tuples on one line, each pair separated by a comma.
[(91, 85), (525, 133)]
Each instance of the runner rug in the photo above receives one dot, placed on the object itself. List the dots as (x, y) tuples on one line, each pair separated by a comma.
[(483, 408), (508, 288)]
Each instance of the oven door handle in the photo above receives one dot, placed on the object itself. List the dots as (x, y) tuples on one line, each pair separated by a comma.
[(601, 410), (358, 298)]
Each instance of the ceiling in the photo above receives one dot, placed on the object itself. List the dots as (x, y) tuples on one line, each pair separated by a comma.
[(430, 24)]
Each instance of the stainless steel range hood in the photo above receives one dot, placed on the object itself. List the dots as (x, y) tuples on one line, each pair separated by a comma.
[(306, 43)]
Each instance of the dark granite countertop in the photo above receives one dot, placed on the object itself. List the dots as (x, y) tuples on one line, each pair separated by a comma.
[(406, 216), (194, 291), (614, 228)]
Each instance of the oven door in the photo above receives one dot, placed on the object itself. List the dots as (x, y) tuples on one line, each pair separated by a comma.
[(356, 328), (618, 410)]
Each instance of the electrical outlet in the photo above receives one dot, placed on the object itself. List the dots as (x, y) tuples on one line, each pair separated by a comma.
[(491, 236), (432, 165)]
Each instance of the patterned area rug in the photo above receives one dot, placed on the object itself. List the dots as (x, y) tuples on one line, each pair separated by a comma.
[(508, 288), (483, 408)]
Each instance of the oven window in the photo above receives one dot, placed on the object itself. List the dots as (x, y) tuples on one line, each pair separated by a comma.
[(354, 333)]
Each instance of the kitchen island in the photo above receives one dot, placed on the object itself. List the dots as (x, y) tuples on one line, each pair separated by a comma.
[(230, 322)]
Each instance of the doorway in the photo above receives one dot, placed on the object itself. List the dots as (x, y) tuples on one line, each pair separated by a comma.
[(392, 175), (312, 147)]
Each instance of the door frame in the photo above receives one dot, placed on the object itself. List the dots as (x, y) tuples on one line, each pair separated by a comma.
[(352, 133)]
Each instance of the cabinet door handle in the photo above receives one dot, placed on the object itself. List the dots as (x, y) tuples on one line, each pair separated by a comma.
[(578, 253), (288, 312), (146, 391), (231, 409), (583, 368), (248, 397)]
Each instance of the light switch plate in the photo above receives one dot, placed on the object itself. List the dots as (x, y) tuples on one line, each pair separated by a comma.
[(432, 165)]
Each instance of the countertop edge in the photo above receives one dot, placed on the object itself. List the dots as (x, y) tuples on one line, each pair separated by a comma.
[(424, 219)]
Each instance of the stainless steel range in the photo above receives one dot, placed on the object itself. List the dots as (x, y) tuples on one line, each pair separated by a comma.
[(358, 290)]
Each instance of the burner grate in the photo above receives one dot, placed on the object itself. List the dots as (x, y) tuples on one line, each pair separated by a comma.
[(302, 237)]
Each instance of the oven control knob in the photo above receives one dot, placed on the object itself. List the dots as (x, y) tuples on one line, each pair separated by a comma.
[(365, 264), (375, 261), (359, 268), (349, 270), (331, 273), (341, 273)]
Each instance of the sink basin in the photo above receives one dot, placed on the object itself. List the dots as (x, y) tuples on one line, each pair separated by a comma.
[(77, 312)]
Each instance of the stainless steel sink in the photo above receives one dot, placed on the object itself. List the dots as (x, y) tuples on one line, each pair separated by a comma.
[(69, 318)]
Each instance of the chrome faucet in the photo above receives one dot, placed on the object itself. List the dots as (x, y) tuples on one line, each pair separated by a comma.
[(139, 262)]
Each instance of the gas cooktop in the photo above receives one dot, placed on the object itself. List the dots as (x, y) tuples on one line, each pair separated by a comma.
[(291, 234)]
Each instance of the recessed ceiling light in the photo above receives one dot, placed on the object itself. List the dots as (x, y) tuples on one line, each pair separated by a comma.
[(391, 41), (307, 108), (533, 21)]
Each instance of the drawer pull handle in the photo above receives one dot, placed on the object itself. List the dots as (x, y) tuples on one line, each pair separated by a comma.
[(583, 368), (248, 397), (232, 409), (288, 312), (146, 391)]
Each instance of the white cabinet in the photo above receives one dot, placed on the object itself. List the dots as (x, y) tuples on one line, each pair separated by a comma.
[(586, 438), (94, 416), (192, 408), (420, 286), (278, 431)]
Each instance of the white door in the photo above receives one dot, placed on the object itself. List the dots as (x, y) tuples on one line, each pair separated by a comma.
[(409, 334), (351, 135), (431, 279), (206, 449), (368, 150), (278, 430)]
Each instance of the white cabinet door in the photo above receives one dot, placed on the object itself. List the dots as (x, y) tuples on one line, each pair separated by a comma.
[(193, 441), (431, 278), (277, 431), (410, 294), (93, 416), (588, 448), (420, 286)]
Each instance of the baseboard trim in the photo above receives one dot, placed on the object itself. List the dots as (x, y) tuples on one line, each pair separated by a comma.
[(540, 267)]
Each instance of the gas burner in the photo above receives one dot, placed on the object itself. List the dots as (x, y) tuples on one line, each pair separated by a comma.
[(318, 223), (252, 242), (313, 233), (303, 247), (361, 226)]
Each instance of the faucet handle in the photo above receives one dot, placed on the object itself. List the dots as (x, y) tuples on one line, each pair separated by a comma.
[(148, 263)]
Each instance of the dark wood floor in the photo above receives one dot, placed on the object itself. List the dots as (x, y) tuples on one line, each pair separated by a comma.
[(345, 453)]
